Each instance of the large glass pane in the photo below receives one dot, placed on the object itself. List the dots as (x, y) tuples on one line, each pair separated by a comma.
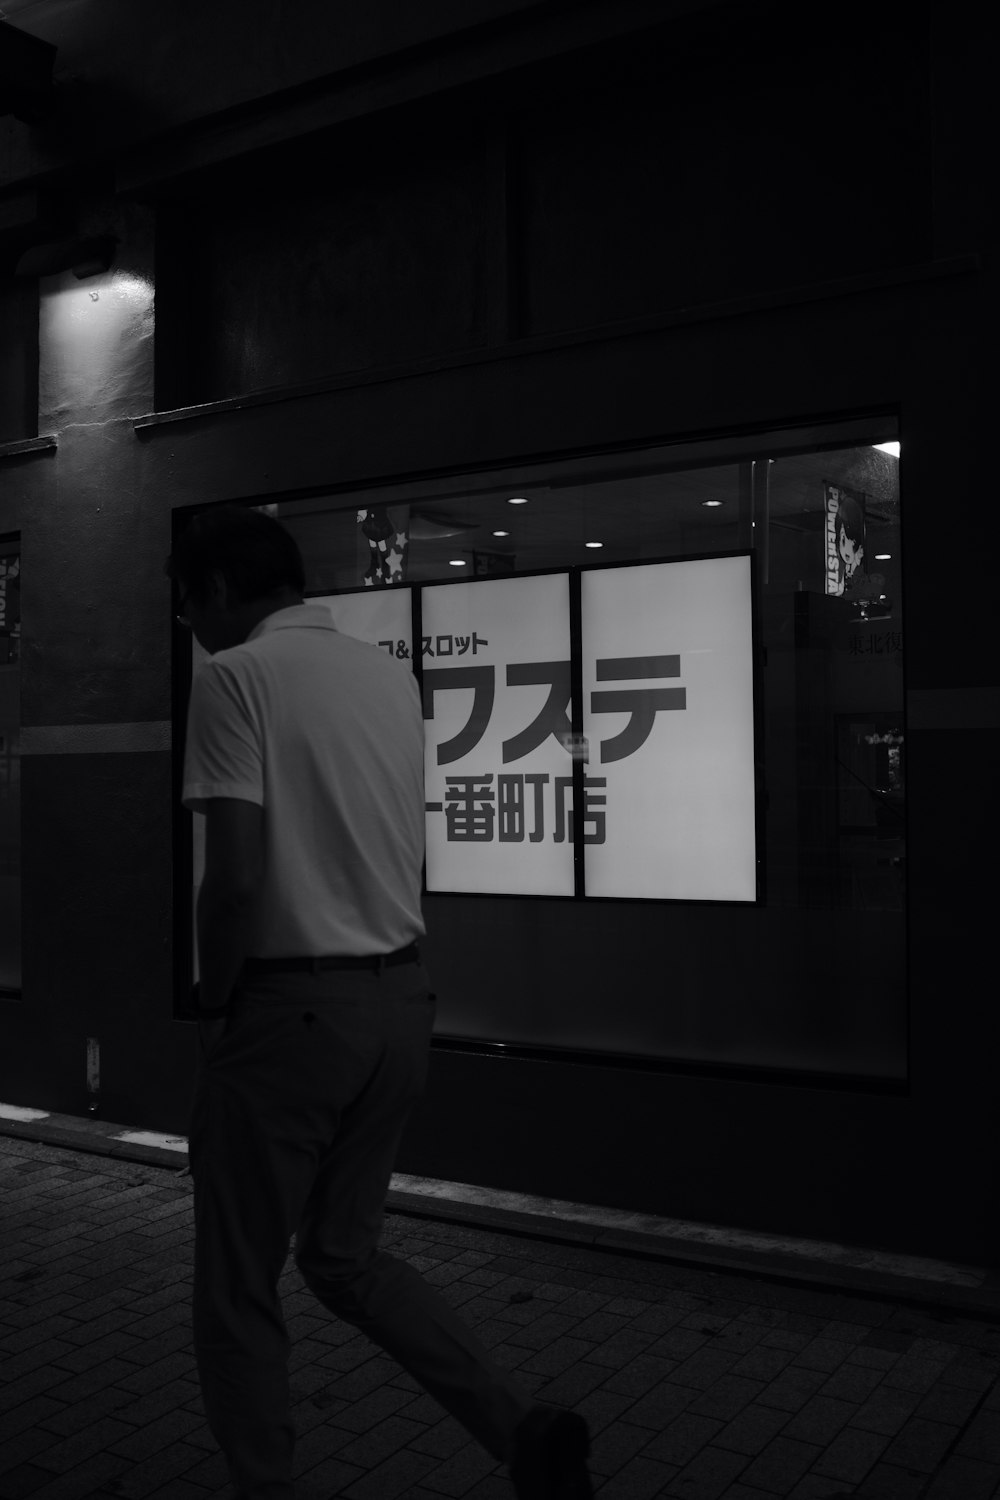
[(810, 975)]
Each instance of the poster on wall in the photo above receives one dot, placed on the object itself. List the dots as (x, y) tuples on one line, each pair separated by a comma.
[(498, 770), (669, 723)]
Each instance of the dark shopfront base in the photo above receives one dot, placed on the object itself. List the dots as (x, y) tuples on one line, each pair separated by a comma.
[(941, 1289)]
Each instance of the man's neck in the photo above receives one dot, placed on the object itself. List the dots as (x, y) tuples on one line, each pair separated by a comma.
[(252, 614)]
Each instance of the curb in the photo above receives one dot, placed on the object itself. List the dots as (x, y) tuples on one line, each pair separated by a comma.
[(98, 1138)]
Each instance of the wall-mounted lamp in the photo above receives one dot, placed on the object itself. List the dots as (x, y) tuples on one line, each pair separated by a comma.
[(84, 256)]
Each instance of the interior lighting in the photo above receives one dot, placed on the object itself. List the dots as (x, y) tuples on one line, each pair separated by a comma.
[(501, 533), (892, 448), (517, 500), (593, 544), (456, 562), (711, 504), (883, 556)]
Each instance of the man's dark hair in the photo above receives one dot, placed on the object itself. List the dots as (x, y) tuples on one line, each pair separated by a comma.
[(254, 553)]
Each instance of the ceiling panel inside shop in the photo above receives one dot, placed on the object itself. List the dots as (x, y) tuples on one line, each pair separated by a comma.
[(634, 516)]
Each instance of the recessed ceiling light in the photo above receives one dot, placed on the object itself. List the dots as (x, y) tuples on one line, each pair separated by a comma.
[(883, 556), (593, 544), (501, 533), (710, 504), (517, 500), (456, 562)]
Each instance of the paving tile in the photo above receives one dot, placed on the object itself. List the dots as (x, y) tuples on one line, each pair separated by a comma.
[(88, 1356), (558, 1356), (921, 1444), (851, 1454), (816, 1487), (981, 1439), (820, 1419), (727, 1397), (680, 1343), (659, 1406), (24, 1481), (138, 1379), (602, 1408), (621, 1347), (569, 1388), (639, 1375), (752, 1430), (380, 1442), (792, 1388), (967, 1377), (705, 1368), (612, 1448), (683, 1439), (707, 1476), (763, 1362), (455, 1476), (87, 1479), (890, 1482), (362, 1414), (823, 1354), (887, 1410), (19, 1445), (442, 1440), (640, 1479), (782, 1463), (964, 1479), (66, 1454), (67, 1418), (30, 1359), (160, 1470), (911, 1373), (872, 1359)]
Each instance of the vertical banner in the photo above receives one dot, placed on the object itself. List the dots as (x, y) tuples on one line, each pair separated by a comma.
[(386, 531), (382, 617), (668, 715), (844, 511), (10, 606), (499, 776)]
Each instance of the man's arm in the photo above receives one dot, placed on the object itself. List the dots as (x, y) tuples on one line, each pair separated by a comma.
[(234, 861)]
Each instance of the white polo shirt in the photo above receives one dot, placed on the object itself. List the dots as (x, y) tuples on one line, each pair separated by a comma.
[(325, 733)]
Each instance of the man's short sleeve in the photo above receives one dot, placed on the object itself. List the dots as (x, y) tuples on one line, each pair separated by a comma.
[(223, 755)]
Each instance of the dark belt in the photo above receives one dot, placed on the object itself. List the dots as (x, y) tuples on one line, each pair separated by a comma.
[(374, 962)]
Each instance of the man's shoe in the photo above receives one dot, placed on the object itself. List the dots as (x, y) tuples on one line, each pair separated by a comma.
[(550, 1456)]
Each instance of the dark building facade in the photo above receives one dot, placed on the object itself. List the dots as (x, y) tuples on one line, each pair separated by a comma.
[(622, 367)]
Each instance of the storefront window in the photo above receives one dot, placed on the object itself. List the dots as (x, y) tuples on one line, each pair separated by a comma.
[(10, 784), (663, 690)]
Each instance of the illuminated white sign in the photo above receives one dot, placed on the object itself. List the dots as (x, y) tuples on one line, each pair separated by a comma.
[(382, 617), (499, 780), (669, 809), (668, 715)]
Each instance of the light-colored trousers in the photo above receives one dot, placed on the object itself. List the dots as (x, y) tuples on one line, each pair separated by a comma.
[(298, 1112)]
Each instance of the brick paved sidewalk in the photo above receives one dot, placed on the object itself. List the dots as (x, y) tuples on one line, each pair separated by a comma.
[(698, 1385)]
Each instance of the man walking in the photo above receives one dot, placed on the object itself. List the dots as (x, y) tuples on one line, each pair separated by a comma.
[(304, 754)]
